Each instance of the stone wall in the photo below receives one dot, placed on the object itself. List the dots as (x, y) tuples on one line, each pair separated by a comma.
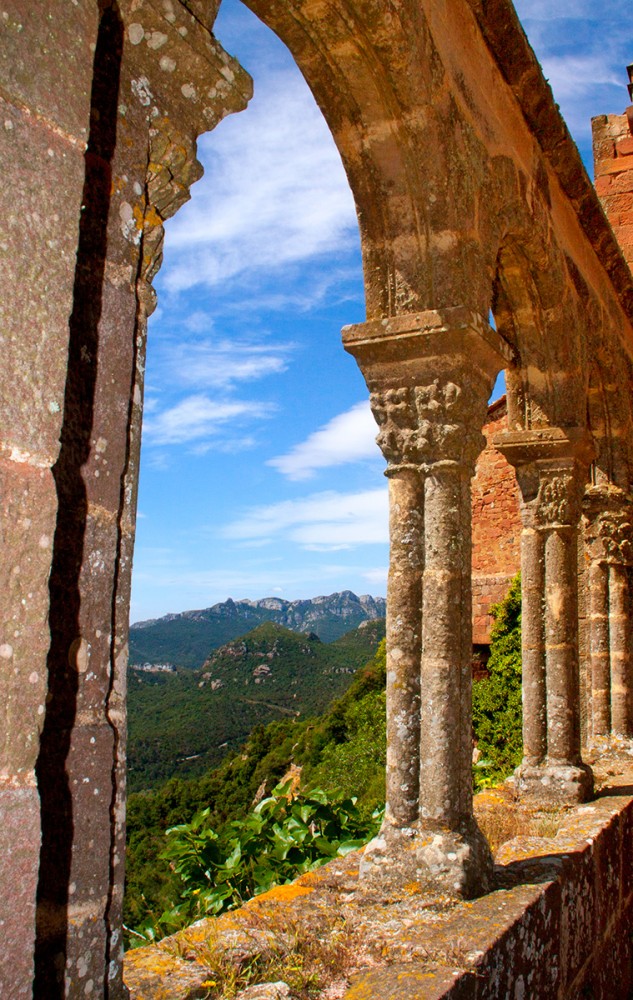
[(496, 525), (613, 162)]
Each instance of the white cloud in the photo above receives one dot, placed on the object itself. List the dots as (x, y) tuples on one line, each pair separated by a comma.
[(275, 192), (197, 417), (199, 321), (221, 364), (376, 577), (323, 521), (348, 437)]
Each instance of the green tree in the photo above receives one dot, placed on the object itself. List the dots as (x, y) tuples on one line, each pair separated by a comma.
[(280, 839), (497, 708)]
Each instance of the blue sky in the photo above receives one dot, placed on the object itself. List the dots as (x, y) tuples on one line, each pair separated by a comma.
[(259, 471)]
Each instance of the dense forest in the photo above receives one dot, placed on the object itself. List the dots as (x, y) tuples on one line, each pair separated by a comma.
[(184, 722)]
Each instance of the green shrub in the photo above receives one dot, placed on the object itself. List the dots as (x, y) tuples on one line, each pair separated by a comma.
[(281, 838), (497, 709)]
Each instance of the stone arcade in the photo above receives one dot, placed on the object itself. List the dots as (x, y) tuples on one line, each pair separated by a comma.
[(471, 197)]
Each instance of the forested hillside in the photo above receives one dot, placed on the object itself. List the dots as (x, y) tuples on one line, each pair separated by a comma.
[(184, 722), (342, 752), (344, 749)]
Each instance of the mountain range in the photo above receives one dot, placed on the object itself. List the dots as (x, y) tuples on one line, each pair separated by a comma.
[(186, 639)]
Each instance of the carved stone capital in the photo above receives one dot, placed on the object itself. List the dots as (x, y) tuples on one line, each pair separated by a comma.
[(423, 425), (608, 524), (557, 503), (551, 466), (430, 376)]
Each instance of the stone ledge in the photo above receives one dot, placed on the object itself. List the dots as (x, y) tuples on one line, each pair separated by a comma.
[(555, 924)]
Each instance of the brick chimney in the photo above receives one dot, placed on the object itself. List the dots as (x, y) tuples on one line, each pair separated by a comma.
[(613, 165)]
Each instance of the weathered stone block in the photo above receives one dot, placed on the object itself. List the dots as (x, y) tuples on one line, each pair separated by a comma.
[(579, 914), (39, 212), (59, 89), (19, 853), (28, 506)]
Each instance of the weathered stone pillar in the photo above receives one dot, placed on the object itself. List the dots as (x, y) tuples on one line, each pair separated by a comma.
[(404, 644), (551, 466), (609, 550), (99, 149), (430, 376)]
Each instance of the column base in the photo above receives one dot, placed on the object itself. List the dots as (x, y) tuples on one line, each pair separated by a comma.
[(551, 784), (400, 860)]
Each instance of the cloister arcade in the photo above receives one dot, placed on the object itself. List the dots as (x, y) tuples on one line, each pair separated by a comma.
[(471, 198)]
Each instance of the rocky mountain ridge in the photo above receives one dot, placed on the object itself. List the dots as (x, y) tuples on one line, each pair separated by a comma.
[(187, 638)]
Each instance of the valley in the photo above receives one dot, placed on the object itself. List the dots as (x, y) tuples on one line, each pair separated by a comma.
[(184, 720)]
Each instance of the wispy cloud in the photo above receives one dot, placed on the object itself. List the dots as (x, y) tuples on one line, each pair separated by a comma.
[(275, 192), (323, 521), (223, 363), (348, 437), (198, 416), (584, 51), (218, 367)]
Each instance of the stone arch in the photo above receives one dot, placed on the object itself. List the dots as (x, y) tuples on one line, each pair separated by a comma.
[(380, 82), (454, 149)]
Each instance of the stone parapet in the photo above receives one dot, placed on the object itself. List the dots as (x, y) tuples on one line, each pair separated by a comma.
[(556, 924)]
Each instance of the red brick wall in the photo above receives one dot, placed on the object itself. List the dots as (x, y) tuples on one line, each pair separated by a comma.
[(613, 161), (496, 526)]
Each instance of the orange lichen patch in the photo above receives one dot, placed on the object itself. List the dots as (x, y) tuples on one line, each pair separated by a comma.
[(490, 797), (153, 974), (411, 982), (282, 893), (152, 217), (412, 888)]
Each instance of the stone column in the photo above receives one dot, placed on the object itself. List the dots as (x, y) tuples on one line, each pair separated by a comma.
[(430, 376), (98, 149), (551, 466), (608, 514)]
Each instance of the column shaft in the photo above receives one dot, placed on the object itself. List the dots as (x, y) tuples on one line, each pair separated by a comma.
[(599, 649), (404, 602), (561, 646), (445, 777), (533, 646), (620, 643)]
